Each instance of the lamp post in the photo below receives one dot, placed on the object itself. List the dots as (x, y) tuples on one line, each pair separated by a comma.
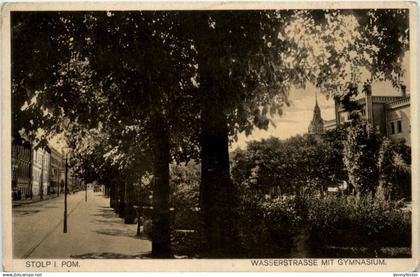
[(65, 188)]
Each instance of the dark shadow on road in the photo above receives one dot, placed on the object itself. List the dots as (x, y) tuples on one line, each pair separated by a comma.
[(51, 206), (25, 212), (109, 221), (106, 213), (117, 232), (110, 255)]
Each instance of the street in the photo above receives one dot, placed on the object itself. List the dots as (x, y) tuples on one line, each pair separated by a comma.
[(94, 230)]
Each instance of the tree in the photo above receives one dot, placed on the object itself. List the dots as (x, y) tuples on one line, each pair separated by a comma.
[(386, 167), (360, 158), (235, 64), (300, 164), (394, 168)]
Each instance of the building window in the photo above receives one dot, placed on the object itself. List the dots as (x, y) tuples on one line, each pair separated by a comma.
[(392, 128), (399, 126)]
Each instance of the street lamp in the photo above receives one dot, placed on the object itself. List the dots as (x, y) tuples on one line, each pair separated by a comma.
[(66, 151)]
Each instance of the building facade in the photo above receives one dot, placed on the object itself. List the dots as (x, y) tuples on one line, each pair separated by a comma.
[(56, 168), (21, 170), (398, 123), (40, 171), (36, 171), (389, 115)]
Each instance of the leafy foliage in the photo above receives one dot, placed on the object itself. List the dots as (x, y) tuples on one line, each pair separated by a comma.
[(298, 164), (185, 190), (394, 169), (268, 227), (349, 221), (360, 157)]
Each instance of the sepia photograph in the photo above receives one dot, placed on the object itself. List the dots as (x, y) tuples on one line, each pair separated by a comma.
[(204, 134)]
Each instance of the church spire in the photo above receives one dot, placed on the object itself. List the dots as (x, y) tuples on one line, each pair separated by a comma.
[(317, 110), (317, 124)]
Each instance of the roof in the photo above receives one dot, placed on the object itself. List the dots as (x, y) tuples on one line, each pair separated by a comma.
[(381, 100), (399, 103), (330, 121)]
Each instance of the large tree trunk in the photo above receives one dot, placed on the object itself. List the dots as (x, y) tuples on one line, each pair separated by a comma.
[(159, 131), (107, 191), (130, 212), (113, 196), (161, 244), (217, 193), (121, 199)]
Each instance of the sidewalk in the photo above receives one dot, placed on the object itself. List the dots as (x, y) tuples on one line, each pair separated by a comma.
[(94, 231)]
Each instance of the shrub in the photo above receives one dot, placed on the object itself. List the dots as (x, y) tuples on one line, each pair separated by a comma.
[(283, 220), (275, 227), (268, 227), (351, 221), (383, 223), (147, 228), (185, 243), (185, 183)]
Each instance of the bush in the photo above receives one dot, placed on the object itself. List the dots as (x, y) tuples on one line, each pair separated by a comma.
[(147, 228), (185, 189), (185, 243), (283, 220), (268, 227), (349, 221), (279, 227)]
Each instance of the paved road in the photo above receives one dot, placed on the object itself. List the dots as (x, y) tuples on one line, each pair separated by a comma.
[(94, 230)]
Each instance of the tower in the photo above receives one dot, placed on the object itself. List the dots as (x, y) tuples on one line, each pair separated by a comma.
[(316, 126)]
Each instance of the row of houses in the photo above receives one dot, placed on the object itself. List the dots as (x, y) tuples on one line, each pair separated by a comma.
[(36, 172)]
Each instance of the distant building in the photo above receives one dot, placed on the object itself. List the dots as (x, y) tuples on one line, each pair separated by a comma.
[(21, 169), (389, 115), (316, 127), (36, 171), (329, 124), (56, 168), (40, 171)]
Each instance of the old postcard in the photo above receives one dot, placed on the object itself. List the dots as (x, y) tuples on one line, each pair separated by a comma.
[(210, 136)]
